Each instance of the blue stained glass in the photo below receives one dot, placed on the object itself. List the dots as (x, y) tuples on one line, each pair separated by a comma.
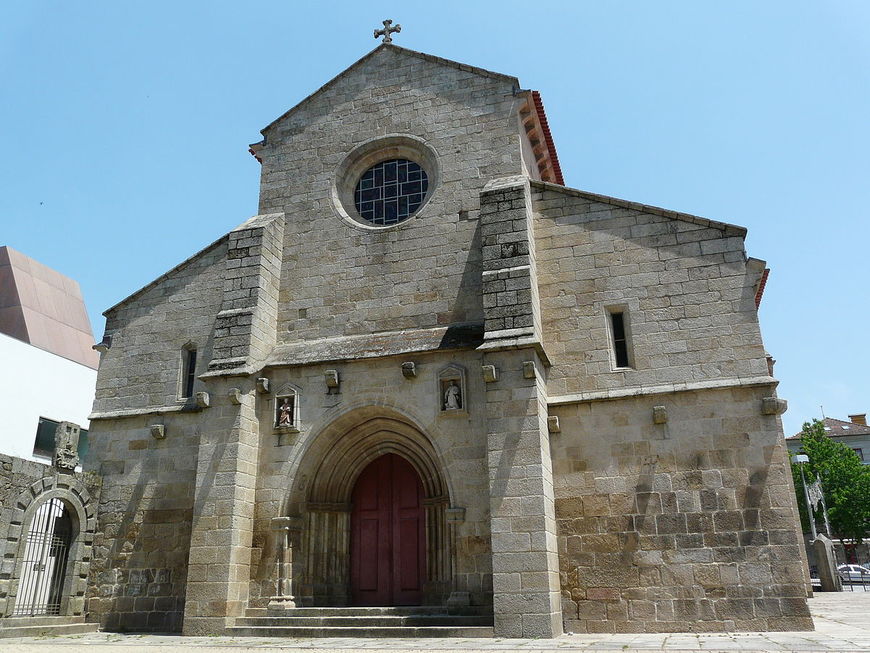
[(390, 192)]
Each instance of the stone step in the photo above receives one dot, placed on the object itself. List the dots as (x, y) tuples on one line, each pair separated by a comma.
[(402, 610), (357, 621), (351, 631), (39, 620), (45, 626)]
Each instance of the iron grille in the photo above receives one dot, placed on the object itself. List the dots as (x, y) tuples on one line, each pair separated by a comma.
[(45, 555)]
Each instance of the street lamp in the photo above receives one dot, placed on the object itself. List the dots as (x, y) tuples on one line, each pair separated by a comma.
[(802, 459)]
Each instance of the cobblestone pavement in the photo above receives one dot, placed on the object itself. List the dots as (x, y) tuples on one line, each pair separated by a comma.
[(842, 625)]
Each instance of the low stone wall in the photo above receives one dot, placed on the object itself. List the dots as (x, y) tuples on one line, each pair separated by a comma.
[(24, 486)]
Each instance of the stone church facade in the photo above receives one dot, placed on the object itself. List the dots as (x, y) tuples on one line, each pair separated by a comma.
[(468, 386)]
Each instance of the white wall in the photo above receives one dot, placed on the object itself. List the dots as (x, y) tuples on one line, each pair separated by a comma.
[(35, 383)]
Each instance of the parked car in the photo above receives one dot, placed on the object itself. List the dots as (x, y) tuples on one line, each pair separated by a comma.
[(854, 573)]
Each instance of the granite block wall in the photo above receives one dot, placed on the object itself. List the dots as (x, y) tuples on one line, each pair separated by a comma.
[(685, 285), (140, 568), (686, 525), (142, 369), (343, 279)]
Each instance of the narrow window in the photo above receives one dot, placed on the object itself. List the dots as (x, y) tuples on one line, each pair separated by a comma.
[(860, 453), (189, 372), (620, 343)]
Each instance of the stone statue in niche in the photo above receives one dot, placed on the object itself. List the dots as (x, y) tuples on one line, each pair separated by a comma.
[(66, 445), (284, 412), (452, 395)]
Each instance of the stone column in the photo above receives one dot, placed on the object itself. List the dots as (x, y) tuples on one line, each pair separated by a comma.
[(525, 561), (285, 530), (459, 597), (826, 562), (222, 530)]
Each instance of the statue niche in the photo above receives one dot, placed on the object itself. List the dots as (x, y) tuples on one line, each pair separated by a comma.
[(452, 397), (285, 413)]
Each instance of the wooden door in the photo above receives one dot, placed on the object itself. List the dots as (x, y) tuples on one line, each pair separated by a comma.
[(388, 553)]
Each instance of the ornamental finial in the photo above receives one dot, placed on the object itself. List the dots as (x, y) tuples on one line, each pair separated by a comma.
[(387, 31)]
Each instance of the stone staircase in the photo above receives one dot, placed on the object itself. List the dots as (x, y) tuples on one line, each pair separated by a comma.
[(410, 621), (42, 626)]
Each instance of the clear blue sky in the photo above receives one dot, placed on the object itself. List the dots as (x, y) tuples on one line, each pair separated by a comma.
[(125, 129)]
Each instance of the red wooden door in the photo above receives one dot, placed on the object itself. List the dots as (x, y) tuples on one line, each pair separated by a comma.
[(388, 553)]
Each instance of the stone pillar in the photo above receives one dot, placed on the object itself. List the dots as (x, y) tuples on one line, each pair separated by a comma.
[(525, 560), (459, 597), (826, 562), (526, 597), (286, 530), (222, 530)]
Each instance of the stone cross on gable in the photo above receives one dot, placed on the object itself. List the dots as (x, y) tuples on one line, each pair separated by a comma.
[(387, 31)]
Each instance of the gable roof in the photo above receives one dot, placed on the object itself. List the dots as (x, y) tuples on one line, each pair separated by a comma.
[(727, 228), (838, 427), (399, 50), (548, 138)]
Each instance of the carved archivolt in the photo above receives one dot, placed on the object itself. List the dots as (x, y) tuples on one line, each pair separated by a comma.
[(339, 468)]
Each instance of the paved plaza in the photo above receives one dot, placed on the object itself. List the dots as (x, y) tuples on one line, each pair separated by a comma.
[(842, 624)]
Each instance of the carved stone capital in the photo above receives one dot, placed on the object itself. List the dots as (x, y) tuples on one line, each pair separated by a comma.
[(293, 523)]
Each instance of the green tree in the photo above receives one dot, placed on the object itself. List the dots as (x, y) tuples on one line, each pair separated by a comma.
[(845, 483)]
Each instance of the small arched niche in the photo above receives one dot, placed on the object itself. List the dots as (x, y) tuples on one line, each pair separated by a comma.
[(286, 414), (452, 395)]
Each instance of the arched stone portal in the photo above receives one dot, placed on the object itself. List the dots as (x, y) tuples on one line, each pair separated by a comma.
[(321, 570), (52, 526)]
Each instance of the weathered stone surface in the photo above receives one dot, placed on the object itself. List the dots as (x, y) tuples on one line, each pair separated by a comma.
[(25, 486), (499, 289), (725, 573)]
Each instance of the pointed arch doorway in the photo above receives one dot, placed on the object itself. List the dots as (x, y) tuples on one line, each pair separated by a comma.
[(388, 535), (326, 570)]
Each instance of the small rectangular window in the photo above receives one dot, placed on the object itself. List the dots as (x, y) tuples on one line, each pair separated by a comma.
[(620, 341), (189, 372), (860, 453)]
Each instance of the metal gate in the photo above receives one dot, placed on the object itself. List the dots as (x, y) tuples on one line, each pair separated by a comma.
[(44, 567)]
